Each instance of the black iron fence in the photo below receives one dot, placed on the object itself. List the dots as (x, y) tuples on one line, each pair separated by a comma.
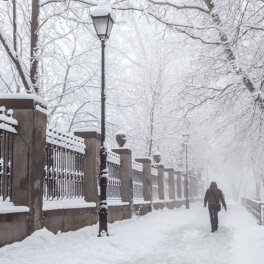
[(155, 188), (256, 208), (64, 168), (137, 178), (7, 130), (114, 182)]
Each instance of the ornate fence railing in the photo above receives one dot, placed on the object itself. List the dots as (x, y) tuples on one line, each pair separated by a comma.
[(7, 130), (137, 178), (114, 182), (166, 186), (64, 166), (155, 188), (256, 208)]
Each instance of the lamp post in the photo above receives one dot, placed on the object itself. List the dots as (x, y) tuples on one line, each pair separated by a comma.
[(103, 19), (186, 137)]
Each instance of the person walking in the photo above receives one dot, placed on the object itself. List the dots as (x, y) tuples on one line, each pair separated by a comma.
[(213, 196)]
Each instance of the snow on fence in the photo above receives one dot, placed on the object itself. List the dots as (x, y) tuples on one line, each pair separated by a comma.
[(256, 208), (166, 186), (114, 182), (7, 130), (64, 166), (155, 188), (137, 178)]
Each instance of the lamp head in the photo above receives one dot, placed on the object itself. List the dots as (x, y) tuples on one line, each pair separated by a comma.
[(103, 19)]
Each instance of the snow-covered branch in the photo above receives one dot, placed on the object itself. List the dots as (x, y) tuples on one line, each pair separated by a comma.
[(17, 60)]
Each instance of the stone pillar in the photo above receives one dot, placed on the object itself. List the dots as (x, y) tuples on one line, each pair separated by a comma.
[(190, 186), (185, 180), (171, 183), (28, 154), (196, 186), (126, 176), (92, 141), (191, 192), (161, 181), (179, 184), (147, 180)]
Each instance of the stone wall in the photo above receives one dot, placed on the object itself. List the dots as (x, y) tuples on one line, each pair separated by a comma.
[(28, 179), (13, 227)]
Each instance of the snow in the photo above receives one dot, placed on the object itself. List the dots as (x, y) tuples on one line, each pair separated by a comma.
[(113, 157), (7, 118), (65, 140), (8, 128), (103, 9), (41, 109), (67, 204), (33, 97), (181, 199), (97, 130), (165, 236), (140, 202), (137, 166), (122, 132), (116, 203), (7, 122), (9, 207), (157, 201), (169, 200)]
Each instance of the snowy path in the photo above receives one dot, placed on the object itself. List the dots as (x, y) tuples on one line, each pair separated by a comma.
[(168, 236), (191, 242)]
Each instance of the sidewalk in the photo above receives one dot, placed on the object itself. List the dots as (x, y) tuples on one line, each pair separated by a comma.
[(177, 236)]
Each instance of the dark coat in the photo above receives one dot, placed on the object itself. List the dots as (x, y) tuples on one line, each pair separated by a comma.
[(213, 195)]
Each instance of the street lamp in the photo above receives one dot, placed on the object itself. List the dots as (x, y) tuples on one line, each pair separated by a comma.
[(186, 137), (103, 19)]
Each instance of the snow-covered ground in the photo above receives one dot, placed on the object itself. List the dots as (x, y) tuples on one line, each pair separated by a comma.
[(166, 236)]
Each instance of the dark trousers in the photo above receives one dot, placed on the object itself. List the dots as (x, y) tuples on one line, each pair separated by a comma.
[(213, 216)]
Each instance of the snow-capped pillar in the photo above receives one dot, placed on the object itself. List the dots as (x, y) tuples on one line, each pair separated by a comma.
[(126, 175), (92, 141), (28, 153), (179, 184), (171, 183), (147, 180), (161, 181)]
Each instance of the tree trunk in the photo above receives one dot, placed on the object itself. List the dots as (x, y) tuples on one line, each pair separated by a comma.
[(34, 49), (151, 131)]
